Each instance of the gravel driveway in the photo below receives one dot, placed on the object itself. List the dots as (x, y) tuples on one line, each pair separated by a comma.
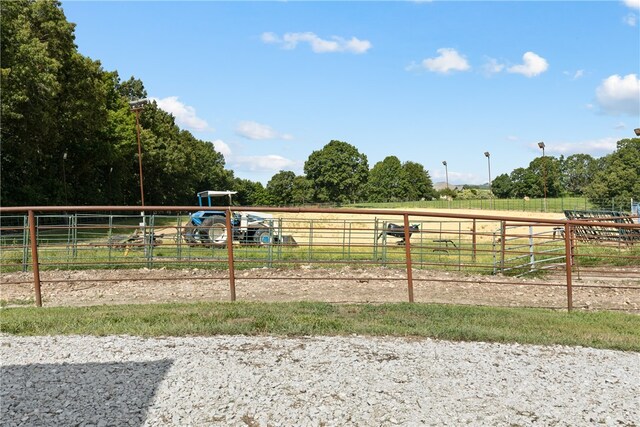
[(311, 381)]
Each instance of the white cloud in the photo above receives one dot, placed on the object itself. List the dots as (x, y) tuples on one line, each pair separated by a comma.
[(268, 163), (492, 66), (620, 126), (269, 38), (533, 65), (222, 147), (448, 60), (512, 138), (185, 115), (630, 19), (574, 75), (619, 95), (597, 147), (318, 45), (257, 131), (634, 4)]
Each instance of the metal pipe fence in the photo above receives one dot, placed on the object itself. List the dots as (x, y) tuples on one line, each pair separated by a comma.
[(439, 256)]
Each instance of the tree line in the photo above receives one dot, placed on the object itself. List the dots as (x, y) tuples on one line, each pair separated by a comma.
[(69, 138), (614, 177)]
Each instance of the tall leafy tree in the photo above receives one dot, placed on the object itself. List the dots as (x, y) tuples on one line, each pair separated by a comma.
[(547, 172), (53, 102), (176, 165), (250, 193), (417, 182), (502, 186), (280, 188), (525, 183), (132, 89), (387, 182), (339, 172), (542, 174), (302, 191), (577, 172)]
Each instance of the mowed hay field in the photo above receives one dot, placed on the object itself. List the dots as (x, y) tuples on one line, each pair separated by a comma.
[(362, 229)]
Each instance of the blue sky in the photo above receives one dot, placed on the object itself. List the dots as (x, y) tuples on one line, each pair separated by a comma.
[(268, 83)]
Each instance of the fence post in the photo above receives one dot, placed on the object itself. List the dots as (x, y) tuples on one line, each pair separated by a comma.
[(473, 240), (532, 256), (375, 239), (568, 264), (25, 247), (34, 258), (503, 237), (407, 248), (232, 273)]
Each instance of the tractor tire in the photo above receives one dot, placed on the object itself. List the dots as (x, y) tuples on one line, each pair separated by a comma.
[(216, 230), (189, 235), (262, 236), (211, 232)]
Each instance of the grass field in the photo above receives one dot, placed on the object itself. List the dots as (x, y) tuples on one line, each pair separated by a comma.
[(605, 330), (533, 205)]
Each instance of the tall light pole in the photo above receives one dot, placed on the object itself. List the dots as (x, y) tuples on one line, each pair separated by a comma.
[(544, 174), (136, 107), (446, 173), (488, 156)]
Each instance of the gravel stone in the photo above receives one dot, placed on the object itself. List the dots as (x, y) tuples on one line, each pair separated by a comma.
[(311, 381)]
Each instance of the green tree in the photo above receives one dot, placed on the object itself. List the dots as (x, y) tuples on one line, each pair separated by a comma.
[(339, 172), (280, 188), (132, 89), (302, 191), (387, 182), (577, 172), (176, 165), (547, 172), (525, 183), (417, 182), (502, 187), (250, 193), (53, 102), (543, 172), (619, 180)]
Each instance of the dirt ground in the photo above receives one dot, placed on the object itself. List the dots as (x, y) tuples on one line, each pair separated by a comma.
[(343, 285)]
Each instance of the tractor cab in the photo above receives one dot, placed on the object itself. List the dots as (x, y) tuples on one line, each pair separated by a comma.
[(205, 199)]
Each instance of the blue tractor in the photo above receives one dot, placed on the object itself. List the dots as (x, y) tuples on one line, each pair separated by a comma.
[(209, 227)]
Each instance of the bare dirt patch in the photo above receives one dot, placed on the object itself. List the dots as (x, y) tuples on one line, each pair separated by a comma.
[(340, 285)]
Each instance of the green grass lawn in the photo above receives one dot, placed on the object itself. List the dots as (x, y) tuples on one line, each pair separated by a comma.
[(604, 330)]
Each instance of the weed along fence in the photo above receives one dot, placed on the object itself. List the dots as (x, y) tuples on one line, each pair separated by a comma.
[(335, 255)]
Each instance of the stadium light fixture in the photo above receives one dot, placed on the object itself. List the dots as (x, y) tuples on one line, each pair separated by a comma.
[(488, 156), (446, 173)]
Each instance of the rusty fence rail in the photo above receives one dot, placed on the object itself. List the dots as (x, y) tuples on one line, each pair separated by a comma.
[(440, 257)]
